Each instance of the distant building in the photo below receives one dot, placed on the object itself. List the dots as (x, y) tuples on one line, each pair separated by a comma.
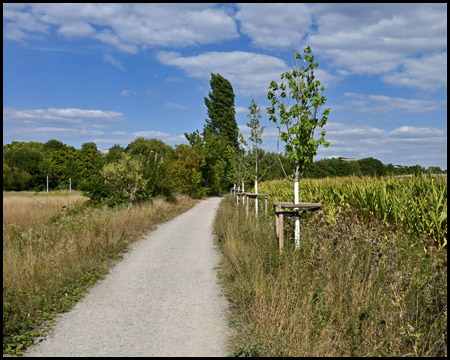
[(105, 151), (345, 159)]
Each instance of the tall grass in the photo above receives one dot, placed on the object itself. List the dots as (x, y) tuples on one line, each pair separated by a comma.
[(23, 208), (52, 254), (418, 204), (355, 288)]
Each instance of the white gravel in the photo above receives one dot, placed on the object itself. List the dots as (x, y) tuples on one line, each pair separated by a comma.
[(162, 299)]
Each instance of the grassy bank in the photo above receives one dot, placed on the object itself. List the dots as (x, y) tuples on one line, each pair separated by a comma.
[(355, 288), (54, 248)]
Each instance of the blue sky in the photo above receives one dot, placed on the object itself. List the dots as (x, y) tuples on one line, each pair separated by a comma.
[(108, 73)]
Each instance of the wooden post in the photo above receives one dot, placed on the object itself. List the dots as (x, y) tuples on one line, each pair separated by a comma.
[(265, 204), (281, 225), (247, 200), (276, 219)]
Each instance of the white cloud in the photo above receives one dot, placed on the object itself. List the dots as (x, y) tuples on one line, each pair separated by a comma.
[(113, 61), (370, 39), (384, 104), (63, 115), (428, 72), (406, 145), (127, 27), (44, 123), (241, 110), (167, 138), (274, 25), (249, 73), (175, 106), (76, 29)]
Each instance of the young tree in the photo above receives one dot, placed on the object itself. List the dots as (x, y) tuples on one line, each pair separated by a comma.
[(256, 131), (300, 120), (240, 165)]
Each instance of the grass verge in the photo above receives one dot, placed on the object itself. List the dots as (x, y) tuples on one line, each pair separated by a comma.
[(355, 288)]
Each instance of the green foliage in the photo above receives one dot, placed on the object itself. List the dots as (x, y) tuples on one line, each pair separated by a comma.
[(218, 142), (256, 131), (95, 189), (300, 119), (15, 179), (114, 154), (22, 166), (155, 157), (370, 166), (125, 179), (187, 171), (89, 161), (221, 111)]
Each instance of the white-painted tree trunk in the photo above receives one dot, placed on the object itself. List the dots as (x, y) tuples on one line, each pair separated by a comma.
[(256, 200), (297, 218)]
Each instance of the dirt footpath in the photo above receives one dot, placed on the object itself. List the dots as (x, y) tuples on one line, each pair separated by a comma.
[(162, 299)]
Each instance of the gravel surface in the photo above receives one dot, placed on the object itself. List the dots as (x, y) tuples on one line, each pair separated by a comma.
[(162, 299)]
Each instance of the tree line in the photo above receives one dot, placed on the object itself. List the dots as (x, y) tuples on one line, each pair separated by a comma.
[(195, 169), (216, 158)]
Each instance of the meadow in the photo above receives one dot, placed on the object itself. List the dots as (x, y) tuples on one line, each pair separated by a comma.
[(365, 282), (55, 247)]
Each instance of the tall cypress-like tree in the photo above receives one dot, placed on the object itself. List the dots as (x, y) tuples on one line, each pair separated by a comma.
[(221, 111), (219, 140)]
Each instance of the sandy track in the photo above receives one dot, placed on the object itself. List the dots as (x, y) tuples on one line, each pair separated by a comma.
[(162, 299)]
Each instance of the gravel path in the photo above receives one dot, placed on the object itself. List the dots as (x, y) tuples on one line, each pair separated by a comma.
[(162, 299)]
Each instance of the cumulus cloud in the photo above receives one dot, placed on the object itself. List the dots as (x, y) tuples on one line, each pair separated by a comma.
[(250, 73), (384, 104), (369, 39), (47, 123), (405, 145), (127, 27), (428, 72), (167, 138), (272, 25)]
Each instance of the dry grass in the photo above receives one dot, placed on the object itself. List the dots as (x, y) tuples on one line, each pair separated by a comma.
[(51, 256), (23, 208), (355, 288)]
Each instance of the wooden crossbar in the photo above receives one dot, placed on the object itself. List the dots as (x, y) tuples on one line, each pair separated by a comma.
[(294, 210)]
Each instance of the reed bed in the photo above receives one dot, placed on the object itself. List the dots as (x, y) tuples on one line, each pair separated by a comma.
[(50, 258)]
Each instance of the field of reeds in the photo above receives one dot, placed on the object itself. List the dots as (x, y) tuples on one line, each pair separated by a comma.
[(54, 248), (358, 286)]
